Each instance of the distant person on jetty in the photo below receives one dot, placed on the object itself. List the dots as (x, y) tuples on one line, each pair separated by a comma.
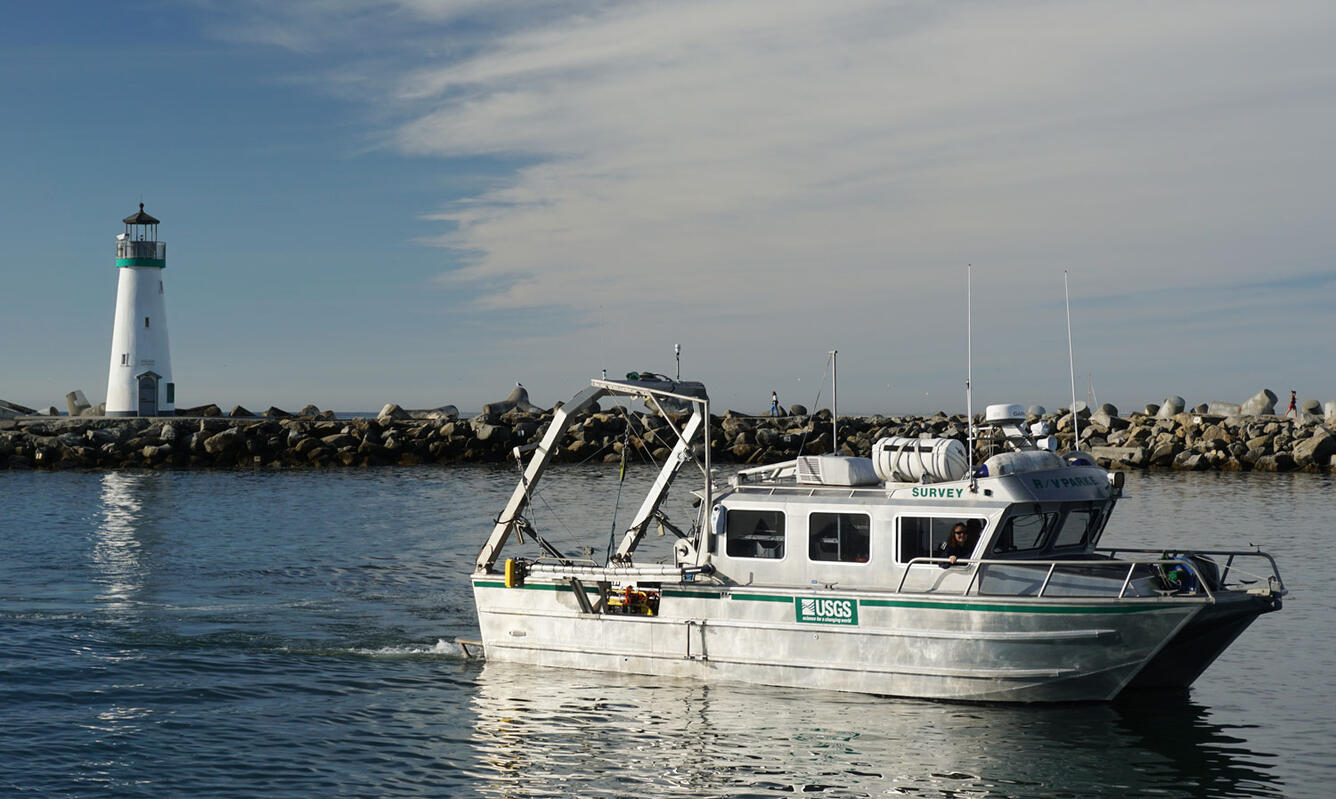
[(1293, 409), (774, 404)]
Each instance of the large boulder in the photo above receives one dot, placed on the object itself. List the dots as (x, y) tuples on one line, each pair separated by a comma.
[(1171, 407), (1189, 461), (392, 411), (10, 410), (1109, 421), (518, 399), (1223, 409), (1163, 454), (1311, 406), (1315, 450), (492, 433), (338, 441), (227, 441), (443, 412), (200, 410), (1263, 403), (76, 403), (1114, 457)]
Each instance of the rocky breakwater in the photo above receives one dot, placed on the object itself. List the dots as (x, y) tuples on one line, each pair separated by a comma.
[(1163, 436), (1214, 436)]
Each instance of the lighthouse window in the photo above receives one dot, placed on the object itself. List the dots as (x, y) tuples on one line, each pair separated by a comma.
[(838, 536), (125, 359), (755, 534), (159, 286), (145, 321)]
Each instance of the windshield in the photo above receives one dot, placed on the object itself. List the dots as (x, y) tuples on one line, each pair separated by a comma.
[(1075, 527), (1078, 527), (1024, 533)]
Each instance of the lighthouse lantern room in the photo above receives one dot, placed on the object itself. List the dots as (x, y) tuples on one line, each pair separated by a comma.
[(140, 378)]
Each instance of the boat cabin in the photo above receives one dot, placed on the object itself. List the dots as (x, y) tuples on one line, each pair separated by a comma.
[(782, 529)]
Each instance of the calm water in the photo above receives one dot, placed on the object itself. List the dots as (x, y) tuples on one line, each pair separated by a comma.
[(287, 634)]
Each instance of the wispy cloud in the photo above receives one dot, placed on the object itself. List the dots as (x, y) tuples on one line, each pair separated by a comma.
[(845, 161)]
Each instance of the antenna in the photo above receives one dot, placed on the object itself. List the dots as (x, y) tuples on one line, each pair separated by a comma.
[(677, 350), (1071, 362), (834, 403), (969, 366)]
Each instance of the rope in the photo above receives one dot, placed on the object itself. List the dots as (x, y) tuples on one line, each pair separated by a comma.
[(802, 447), (621, 481)]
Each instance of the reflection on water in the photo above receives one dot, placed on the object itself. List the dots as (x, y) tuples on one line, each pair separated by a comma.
[(117, 550), (545, 732), (253, 633)]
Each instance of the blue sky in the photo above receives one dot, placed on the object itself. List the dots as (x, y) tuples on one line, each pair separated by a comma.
[(423, 202)]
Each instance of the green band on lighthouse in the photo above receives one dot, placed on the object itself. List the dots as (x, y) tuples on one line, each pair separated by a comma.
[(161, 263)]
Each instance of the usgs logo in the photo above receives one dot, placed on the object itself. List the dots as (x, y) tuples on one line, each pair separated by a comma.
[(826, 611)]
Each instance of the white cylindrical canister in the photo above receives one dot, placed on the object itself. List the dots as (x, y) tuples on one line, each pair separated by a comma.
[(909, 460)]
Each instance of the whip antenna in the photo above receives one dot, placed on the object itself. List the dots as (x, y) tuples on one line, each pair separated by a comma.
[(1071, 362), (834, 403), (969, 365)]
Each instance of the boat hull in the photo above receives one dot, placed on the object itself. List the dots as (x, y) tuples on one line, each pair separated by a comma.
[(1179, 663), (965, 648)]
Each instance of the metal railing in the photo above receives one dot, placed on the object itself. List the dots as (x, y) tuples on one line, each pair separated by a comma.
[(1231, 556), (141, 249), (1152, 568)]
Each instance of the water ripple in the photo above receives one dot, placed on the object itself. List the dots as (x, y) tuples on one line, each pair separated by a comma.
[(288, 634)]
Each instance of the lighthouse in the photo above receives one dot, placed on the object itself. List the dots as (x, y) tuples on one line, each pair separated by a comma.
[(140, 378)]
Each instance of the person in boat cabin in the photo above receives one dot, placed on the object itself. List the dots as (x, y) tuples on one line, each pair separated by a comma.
[(774, 403), (959, 544)]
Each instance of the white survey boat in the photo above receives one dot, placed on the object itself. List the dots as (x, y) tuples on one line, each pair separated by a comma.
[(825, 572)]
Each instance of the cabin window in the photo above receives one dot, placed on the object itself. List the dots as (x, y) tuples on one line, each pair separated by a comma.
[(1025, 533), (1077, 527), (171, 392), (920, 536), (838, 536), (755, 534)]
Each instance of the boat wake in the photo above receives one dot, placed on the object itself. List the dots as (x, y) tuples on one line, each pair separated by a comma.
[(442, 648)]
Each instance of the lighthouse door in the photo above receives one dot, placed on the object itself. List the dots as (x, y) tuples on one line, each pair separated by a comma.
[(148, 394)]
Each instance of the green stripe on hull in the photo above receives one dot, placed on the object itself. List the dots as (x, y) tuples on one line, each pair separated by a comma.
[(761, 598), (158, 262), (995, 607), (904, 603)]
